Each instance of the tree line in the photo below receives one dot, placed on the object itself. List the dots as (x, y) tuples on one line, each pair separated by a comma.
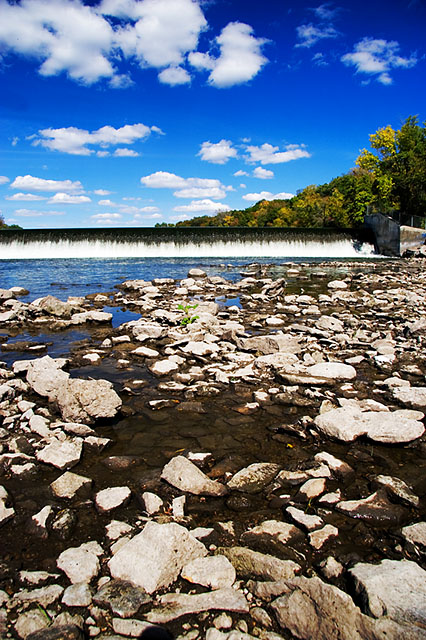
[(388, 177)]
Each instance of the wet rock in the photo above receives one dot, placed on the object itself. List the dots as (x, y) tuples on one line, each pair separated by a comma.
[(175, 605), (112, 498), (120, 463), (87, 400), (376, 508), (70, 484), (123, 598), (38, 522), (186, 476), (271, 534), (80, 564), (64, 523), (397, 489), (396, 588), (249, 564), (338, 467), (61, 454), (54, 307), (254, 478), (214, 572), (6, 512), (91, 316), (309, 522), (155, 557), (348, 423), (311, 489)]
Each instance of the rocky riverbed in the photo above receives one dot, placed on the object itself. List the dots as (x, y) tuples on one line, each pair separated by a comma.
[(249, 467)]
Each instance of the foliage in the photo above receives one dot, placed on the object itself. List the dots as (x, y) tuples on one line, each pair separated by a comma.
[(187, 319), (3, 225)]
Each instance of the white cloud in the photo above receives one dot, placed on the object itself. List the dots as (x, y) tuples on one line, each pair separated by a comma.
[(240, 57), (150, 210), (240, 173), (25, 197), (268, 154), (77, 141), (377, 57), (32, 213), (186, 187), (106, 216), (263, 174), (4, 179), (102, 192), (174, 76), (40, 184), (107, 203), (266, 195), (123, 152), (310, 34), (325, 11), (66, 198), (217, 152), (206, 205)]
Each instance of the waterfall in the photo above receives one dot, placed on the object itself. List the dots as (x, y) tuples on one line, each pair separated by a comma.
[(183, 242)]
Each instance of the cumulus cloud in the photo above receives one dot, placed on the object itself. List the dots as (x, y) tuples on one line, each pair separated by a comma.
[(377, 57), (106, 203), (123, 152), (186, 187), (263, 174), (217, 152), (240, 173), (267, 195), (106, 216), (4, 179), (240, 57), (206, 206), (268, 154), (40, 184), (77, 141), (67, 198), (25, 197), (174, 76), (102, 192)]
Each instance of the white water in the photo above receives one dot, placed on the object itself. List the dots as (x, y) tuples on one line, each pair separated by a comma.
[(288, 248)]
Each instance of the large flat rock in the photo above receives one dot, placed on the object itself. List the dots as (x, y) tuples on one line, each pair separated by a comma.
[(175, 605), (186, 476)]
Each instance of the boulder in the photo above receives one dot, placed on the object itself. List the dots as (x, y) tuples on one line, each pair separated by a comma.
[(87, 400), (254, 478), (123, 598), (45, 376), (62, 454), (186, 476), (70, 484), (376, 508), (80, 564), (332, 370), (412, 397), (214, 572), (154, 558)]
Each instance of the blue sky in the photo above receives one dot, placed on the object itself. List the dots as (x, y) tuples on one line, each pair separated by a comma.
[(133, 112)]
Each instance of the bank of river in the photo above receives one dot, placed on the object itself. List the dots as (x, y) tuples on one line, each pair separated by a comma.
[(253, 466)]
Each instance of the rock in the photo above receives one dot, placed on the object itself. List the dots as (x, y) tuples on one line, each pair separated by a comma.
[(318, 538), (214, 572), (309, 522), (331, 568), (412, 397), (374, 508), (271, 534), (163, 367), (29, 622), (80, 564), (123, 598), (396, 488), (254, 478), (87, 400), (77, 595), (200, 348), (44, 596), (348, 423), (197, 273), (54, 307), (332, 370), (175, 605), (415, 534), (70, 484), (329, 323), (338, 467), (395, 588), (45, 376), (6, 513), (145, 352), (115, 529), (61, 454), (248, 563), (91, 316), (129, 628), (311, 489), (153, 503), (186, 476), (155, 557), (337, 284), (112, 498), (60, 632)]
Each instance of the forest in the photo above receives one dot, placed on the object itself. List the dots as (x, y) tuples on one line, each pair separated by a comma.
[(390, 177)]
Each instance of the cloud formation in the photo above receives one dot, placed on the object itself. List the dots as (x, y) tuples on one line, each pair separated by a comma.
[(263, 174), (268, 154), (377, 57), (67, 198), (186, 187), (32, 213), (267, 195), (217, 152), (25, 197), (77, 141), (87, 42), (40, 184), (4, 179), (206, 206), (310, 34)]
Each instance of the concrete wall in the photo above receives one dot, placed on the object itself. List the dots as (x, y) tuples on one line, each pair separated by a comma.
[(386, 232), (411, 238)]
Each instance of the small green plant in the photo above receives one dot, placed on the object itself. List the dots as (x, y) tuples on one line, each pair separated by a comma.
[(187, 318)]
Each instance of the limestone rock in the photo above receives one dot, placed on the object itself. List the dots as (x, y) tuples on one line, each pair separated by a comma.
[(215, 572), (87, 400), (397, 489), (163, 367), (61, 454), (80, 564), (374, 508), (332, 370), (77, 595), (45, 376), (412, 397), (254, 478), (271, 534), (248, 563), (111, 498), (415, 534), (70, 484), (186, 476), (318, 538), (6, 513), (155, 557), (175, 605), (123, 598)]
